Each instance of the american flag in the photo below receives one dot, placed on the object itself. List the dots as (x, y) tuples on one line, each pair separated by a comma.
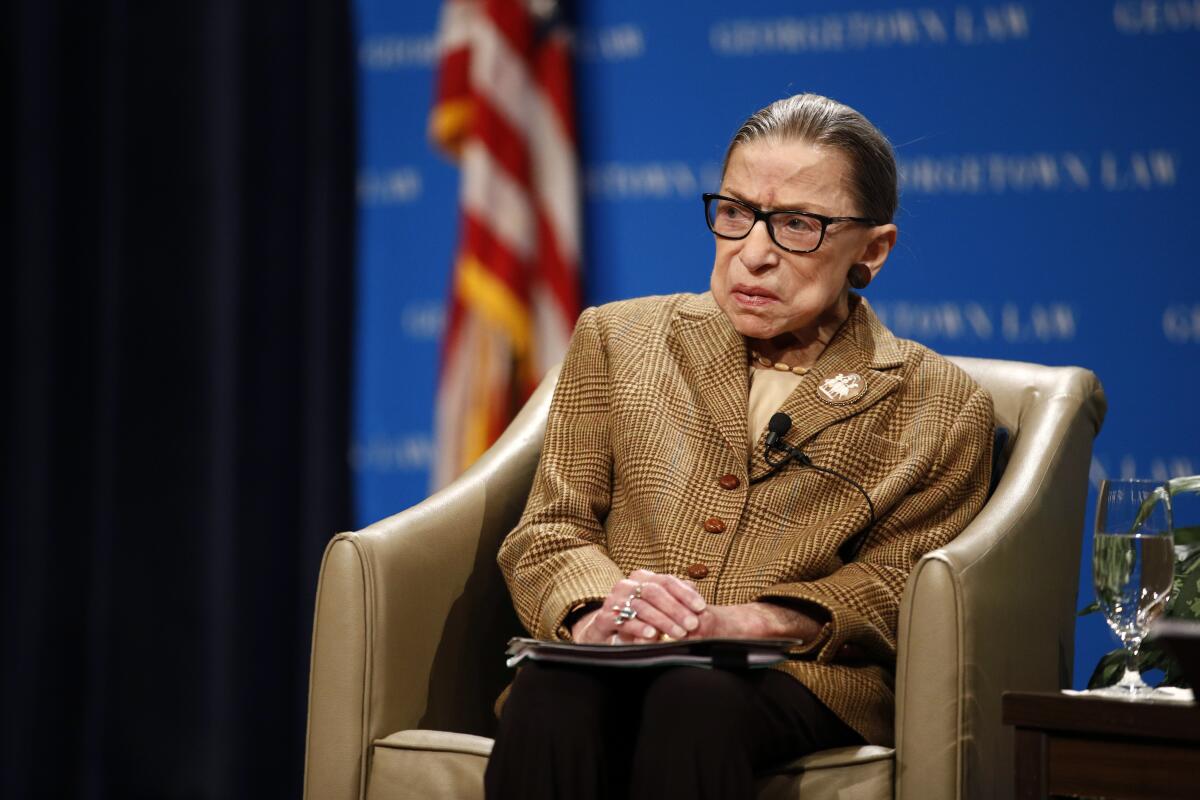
[(504, 112)]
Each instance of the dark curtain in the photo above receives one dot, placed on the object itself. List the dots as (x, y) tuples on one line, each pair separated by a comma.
[(177, 325)]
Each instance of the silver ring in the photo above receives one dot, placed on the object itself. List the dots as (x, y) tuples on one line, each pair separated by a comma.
[(625, 612)]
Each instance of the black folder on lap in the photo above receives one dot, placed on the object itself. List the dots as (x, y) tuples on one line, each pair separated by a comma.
[(711, 653)]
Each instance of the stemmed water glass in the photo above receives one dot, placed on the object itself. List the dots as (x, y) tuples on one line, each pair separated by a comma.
[(1133, 566)]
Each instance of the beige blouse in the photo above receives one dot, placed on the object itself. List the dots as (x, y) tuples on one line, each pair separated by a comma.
[(768, 389)]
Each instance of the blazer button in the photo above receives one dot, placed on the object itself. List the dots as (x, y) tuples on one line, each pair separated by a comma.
[(714, 525), (697, 572), (729, 482)]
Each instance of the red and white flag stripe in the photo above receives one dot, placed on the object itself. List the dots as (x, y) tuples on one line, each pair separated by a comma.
[(504, 111)]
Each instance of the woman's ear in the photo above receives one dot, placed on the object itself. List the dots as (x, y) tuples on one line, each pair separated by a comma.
[(877, 249)]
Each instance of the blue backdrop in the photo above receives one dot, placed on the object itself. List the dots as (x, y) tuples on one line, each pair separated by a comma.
[(1050, 192)]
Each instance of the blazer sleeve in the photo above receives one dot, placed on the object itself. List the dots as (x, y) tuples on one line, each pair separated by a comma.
[(862, 598), (556, 557)]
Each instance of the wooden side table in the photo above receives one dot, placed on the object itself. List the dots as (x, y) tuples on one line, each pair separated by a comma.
[(1082, 745)]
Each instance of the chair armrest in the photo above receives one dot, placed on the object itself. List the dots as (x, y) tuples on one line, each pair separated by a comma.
[(405, 606), (995, 608)]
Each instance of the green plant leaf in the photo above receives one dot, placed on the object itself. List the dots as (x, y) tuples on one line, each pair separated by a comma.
[(1186, 600), (1189, 536), (1109, 670), (1173, 674), (1189, 484), (1153, 657)]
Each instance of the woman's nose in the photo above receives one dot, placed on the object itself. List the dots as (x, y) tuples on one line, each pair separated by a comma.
[(758, 251)]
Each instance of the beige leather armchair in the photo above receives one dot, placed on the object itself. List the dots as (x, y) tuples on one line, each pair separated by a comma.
[(412, 617)]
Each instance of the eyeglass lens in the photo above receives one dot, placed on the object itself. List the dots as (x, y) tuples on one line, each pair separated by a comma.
[(793, 231)]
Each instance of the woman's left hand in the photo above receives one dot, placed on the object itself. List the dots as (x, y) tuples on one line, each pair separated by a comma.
[(756, 621)]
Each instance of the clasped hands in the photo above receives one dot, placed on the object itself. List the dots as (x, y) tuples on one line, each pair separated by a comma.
[(647, 607)]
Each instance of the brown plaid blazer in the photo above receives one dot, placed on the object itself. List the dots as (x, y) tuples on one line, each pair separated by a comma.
[(650, 411)]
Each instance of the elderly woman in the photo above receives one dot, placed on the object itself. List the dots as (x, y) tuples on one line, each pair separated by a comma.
[(663, 505)]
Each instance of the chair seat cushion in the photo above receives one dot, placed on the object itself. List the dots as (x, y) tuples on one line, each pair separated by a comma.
[(428, 765), (847, 773), (437, 764)]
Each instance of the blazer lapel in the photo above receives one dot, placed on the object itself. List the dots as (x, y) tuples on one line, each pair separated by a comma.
[(863, 353), (716, 356)]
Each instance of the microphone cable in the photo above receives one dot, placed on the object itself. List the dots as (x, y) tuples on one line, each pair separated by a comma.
[(778, 426)]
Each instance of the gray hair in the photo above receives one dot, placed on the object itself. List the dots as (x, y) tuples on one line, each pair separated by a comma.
[(823, 122)]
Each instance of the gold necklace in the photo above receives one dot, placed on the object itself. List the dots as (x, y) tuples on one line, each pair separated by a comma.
[(762, 360)]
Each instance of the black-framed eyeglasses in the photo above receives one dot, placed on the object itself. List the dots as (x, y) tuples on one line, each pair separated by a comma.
[(794, 231)]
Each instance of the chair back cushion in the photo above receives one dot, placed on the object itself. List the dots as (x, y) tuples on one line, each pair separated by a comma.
[(995, 609)]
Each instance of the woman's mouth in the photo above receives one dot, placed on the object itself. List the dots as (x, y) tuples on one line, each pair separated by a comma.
[(753, 295)]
